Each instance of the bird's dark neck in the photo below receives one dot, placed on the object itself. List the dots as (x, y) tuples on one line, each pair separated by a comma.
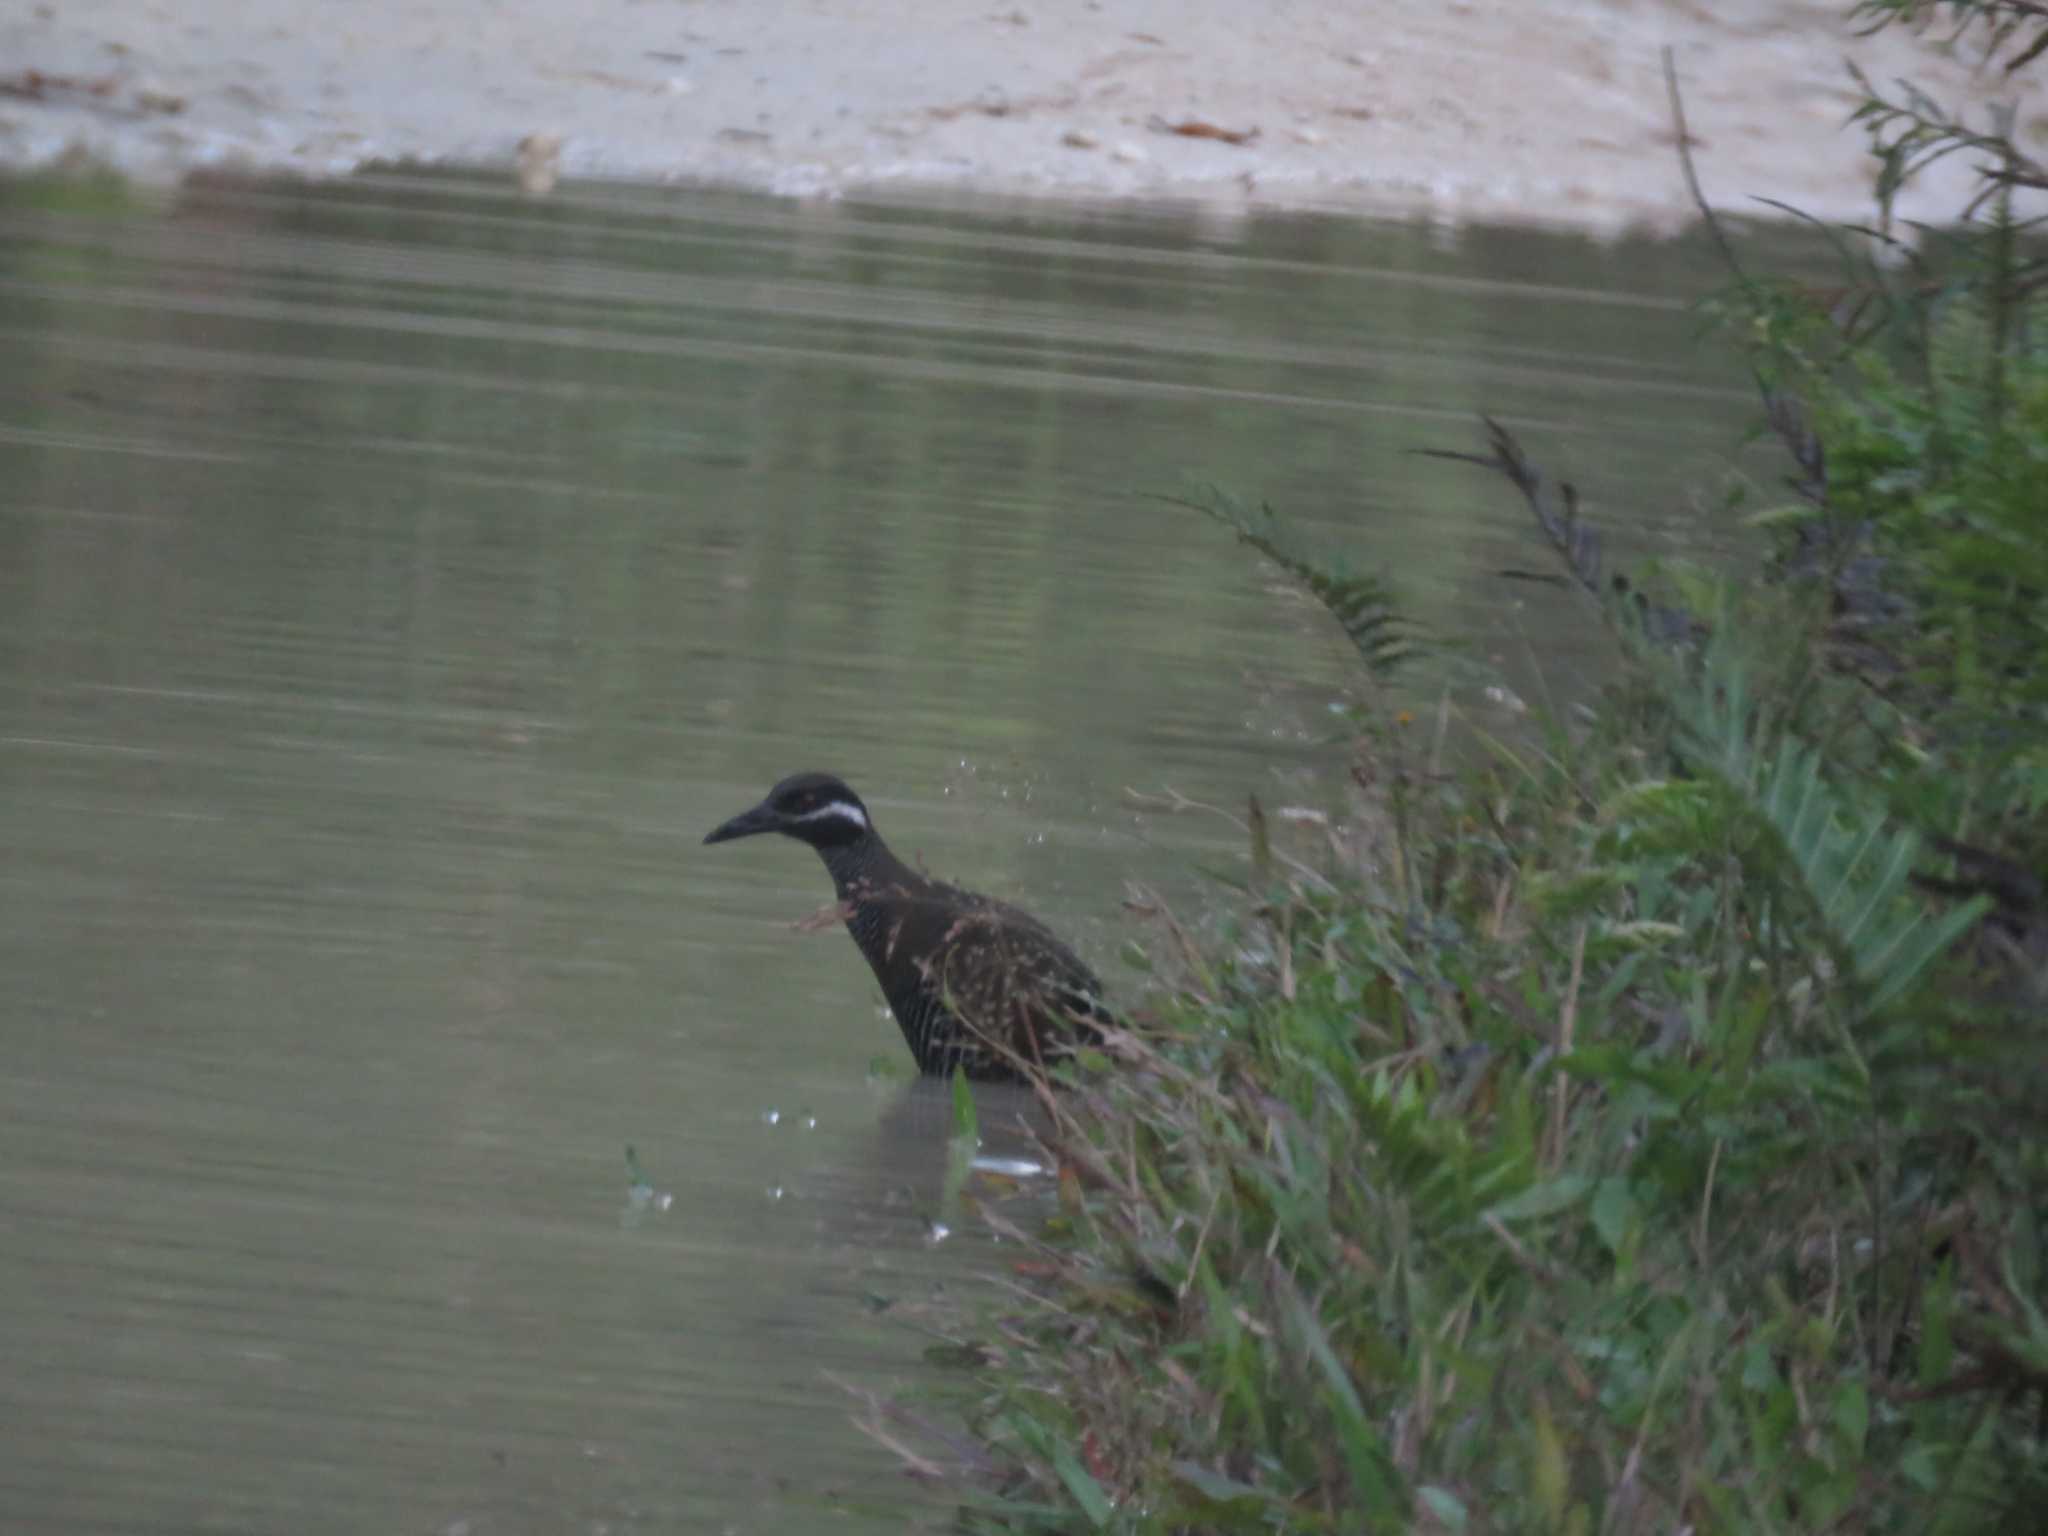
[(865, 868)]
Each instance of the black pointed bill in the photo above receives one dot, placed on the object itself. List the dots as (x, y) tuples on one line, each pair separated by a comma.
[(761, 818)]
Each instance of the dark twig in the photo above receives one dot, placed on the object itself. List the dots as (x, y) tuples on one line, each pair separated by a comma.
[(1556, 509), (1692, 179), (1786, 414)]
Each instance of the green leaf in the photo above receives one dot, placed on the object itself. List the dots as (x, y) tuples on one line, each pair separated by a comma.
[(1789, 512), (1446, 1506), (1560, 896), (1613, 1212), (1545, 1199), (1937, 1347), (1365, 1455), (966, 1123), (1759, 1373), (1918, 1468), (1643, 935), (1074, 1477), (1852, 1416), (1077, 1481), (1219, 1489)]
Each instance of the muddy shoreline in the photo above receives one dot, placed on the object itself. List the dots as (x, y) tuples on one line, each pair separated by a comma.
[(1542, 111)]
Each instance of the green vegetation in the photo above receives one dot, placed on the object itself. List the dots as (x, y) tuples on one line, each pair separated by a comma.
[(1639, 1130)]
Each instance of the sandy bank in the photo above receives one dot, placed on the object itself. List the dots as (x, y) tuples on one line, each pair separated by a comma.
[(1551, 110)]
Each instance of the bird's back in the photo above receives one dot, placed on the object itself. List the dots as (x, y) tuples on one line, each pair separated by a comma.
[(970, 979)]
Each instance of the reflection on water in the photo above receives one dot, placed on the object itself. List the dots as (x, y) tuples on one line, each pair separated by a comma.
[(396, 582)]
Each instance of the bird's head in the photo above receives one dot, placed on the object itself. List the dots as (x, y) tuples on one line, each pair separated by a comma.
[(815, 808)]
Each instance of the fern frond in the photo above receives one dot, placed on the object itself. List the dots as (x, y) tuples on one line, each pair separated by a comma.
[(1853, 866), (1362, 605)]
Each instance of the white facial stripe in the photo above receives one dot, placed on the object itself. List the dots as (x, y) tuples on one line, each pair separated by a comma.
[(839, 809)]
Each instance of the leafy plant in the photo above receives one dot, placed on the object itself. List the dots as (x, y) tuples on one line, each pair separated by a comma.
[(1638, 1129)]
